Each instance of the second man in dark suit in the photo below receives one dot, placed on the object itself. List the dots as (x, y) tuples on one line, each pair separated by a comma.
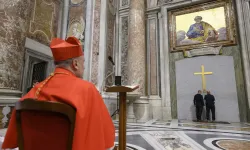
[(210, 105), (199, 103)]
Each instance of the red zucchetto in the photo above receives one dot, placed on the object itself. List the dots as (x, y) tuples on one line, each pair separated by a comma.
[(63, 50)]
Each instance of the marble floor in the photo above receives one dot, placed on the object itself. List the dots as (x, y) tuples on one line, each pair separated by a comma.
[(183, 135), (187, 135)]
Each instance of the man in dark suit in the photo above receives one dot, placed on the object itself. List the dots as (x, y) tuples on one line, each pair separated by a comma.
[(199, 103), (210, 105)]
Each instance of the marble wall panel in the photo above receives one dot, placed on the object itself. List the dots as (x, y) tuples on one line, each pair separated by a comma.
[(96, 38), (36, 19), (240, 86), (239, 77), (153, 52), (124, 50), (77, 17), (110, 47), (44, 20), (14, 19)]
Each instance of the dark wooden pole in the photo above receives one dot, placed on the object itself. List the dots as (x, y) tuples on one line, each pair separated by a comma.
[(122, 121)]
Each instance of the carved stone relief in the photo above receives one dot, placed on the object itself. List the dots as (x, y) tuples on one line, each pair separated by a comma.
[(112, 6), (5, 114), (77, 15), (5, 111), (124, 3), (124, 50), (112, 3)]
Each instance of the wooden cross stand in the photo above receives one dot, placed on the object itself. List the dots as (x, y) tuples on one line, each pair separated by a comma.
[(122, 90)]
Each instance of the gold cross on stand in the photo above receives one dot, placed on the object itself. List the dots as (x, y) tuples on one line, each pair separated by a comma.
[(203, 73)]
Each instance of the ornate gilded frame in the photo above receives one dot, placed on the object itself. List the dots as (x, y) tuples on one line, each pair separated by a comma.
[(230, 25)]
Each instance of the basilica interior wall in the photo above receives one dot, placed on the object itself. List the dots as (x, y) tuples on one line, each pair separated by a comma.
[(241, 80), (155, 8), (152, 45), (40, 21), (152, 86), (14, 24), (21, 19), (37, 20)]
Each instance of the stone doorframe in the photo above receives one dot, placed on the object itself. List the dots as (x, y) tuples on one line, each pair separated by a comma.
[(40, 52)]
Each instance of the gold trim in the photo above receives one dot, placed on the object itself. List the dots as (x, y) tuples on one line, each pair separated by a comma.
[(45, 81), (230, 25)]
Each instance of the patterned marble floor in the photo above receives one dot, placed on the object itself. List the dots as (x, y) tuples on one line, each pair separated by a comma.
[(183, 135), (187, 135)]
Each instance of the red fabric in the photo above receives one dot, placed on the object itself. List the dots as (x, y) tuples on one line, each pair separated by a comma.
[(63, 50), (39, 124), (94, 129)]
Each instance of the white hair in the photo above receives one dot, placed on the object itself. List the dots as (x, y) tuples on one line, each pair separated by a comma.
[(198, 18)]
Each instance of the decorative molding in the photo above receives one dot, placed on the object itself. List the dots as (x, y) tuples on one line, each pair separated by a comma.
[(124, 3), (76, 2), (167, 2), (11, 93), (226, 34), (153, 10), (162, 2), (112, 6), (203, 51), (38, 47)]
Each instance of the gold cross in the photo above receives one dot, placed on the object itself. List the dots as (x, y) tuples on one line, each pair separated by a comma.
[(203, 73)]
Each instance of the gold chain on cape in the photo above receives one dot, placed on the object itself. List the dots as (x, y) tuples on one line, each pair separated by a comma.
[(51, 75)]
